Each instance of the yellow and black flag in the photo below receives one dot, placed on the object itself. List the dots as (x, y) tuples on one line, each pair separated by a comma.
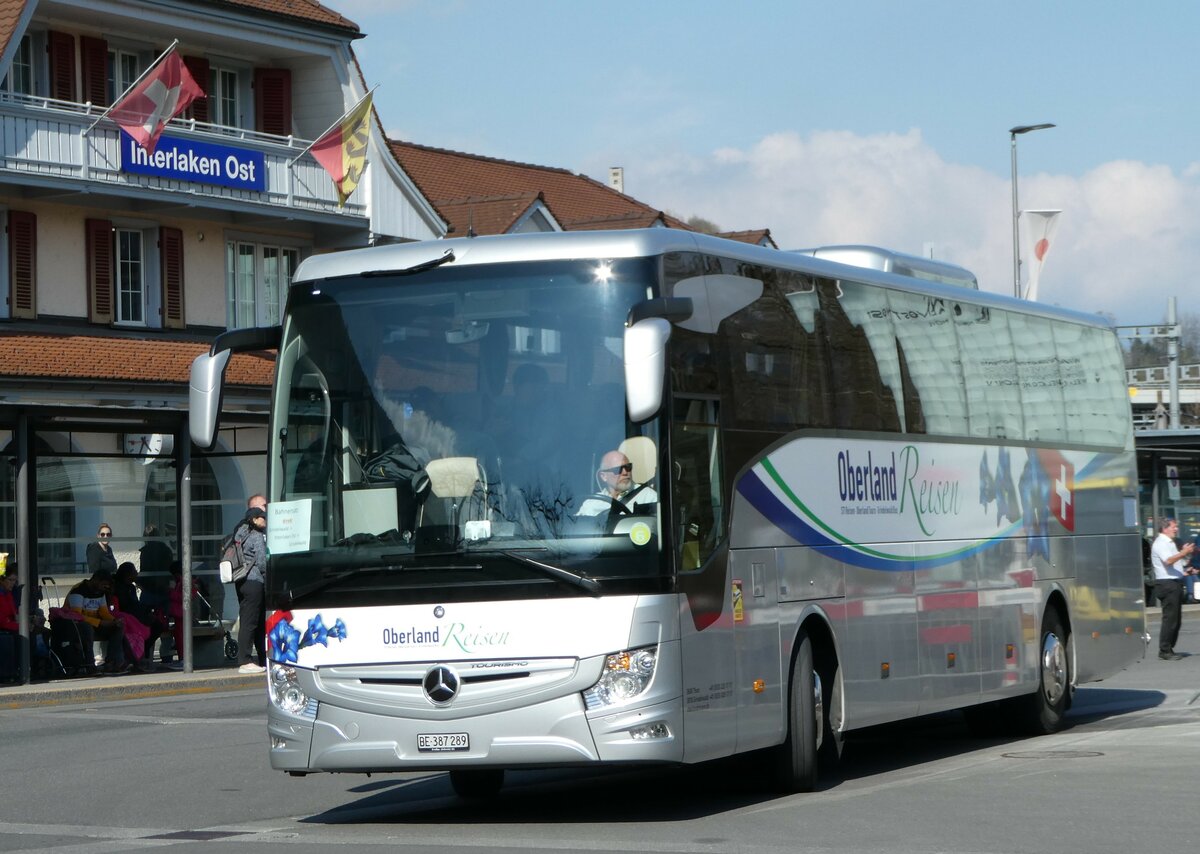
[(342, 149)]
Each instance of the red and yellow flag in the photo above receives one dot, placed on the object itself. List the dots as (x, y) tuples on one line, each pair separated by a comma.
[(342, 150)]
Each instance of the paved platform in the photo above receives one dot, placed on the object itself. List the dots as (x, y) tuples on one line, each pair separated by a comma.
[(131, 686)]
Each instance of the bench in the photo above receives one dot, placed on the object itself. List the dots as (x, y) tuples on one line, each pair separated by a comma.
[(208, 644)]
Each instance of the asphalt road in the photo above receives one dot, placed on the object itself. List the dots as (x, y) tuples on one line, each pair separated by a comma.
[(148, 775)]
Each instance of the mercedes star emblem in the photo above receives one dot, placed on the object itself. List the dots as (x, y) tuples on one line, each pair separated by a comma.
[(441, 684)]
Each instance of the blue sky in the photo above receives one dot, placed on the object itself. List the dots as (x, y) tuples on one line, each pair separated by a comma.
[(850, 122)]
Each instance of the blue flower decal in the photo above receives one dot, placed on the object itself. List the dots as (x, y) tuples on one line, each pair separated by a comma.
[(987, 486), (316, 634), (285, 642), (1035, 496)]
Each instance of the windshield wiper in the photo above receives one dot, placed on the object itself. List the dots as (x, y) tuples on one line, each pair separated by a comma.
[(576, 579), (445, 258)]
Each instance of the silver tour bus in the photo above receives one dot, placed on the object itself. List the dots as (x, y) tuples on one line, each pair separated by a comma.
[(845, 497)]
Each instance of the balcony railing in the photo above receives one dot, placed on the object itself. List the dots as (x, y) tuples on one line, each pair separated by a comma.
[(46, 137)]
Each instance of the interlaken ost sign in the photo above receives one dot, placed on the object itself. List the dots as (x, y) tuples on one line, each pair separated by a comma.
[(197, 161)]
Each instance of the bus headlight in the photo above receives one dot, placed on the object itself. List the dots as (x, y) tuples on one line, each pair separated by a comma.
[(286, 693), (625, 675)]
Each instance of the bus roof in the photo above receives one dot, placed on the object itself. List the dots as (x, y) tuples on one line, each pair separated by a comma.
[(646, 242), (900, 263)]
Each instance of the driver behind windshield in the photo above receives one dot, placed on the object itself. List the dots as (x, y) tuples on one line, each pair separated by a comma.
[(617, 490)]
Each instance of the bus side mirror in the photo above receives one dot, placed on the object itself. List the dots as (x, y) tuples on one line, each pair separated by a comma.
[(204, 397), (645, 366), (208, 378)]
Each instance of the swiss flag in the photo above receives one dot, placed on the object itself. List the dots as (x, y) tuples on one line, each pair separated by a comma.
[(1061, 474), (158, 97)]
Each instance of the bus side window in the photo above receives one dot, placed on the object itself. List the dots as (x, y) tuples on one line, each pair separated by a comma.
[(695, 442)]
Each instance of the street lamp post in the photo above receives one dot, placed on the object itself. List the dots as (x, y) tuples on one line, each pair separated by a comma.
[(1014, 133)]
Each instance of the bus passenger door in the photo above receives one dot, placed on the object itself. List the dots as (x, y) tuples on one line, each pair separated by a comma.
[(708, 627)]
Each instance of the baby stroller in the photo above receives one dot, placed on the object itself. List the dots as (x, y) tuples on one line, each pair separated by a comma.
[(209, 618)]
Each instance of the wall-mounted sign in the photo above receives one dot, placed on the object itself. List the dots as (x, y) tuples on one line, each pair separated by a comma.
[(197, 161)]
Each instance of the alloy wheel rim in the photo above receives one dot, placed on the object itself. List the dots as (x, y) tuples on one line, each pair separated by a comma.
[(1054, 668)]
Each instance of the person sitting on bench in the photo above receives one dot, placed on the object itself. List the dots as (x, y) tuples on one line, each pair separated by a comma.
[(89, 598)]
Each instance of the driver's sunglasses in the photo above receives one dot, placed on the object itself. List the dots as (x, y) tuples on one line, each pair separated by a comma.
[(627, 467)]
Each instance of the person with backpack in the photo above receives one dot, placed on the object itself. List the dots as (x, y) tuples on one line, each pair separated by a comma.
[(252, 611)]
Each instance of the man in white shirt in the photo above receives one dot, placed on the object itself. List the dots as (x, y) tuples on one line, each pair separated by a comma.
[(618, 492), (1170, 566)]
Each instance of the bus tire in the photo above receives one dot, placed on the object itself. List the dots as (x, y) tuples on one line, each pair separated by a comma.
[(830, 752), (797, 756), (477, 783), (1043, 711)]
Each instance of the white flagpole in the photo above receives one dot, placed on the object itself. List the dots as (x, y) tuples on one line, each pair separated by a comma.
[(141, 77), (339, 120)]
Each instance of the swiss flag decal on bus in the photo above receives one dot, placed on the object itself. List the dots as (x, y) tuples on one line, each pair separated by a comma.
[(1061, 474)]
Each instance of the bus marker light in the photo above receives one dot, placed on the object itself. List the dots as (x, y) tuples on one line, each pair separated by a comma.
[(658, 729), (759, 686)]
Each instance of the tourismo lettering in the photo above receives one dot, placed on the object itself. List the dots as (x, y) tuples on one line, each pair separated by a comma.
[(868, 482), (926, 496), (410, 637)]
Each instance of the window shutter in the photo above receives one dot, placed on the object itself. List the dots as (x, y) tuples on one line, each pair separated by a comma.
[(99, 246), (197, 66), (61, 47), (93, 60), (273, 100), (22, 264), (170, 246)]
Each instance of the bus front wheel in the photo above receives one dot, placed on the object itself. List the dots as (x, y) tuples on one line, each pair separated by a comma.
[(797, 756), (477, 783)]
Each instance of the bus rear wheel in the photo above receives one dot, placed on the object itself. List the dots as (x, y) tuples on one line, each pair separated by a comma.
[(796, 759), (1043, 711), (477, 783)]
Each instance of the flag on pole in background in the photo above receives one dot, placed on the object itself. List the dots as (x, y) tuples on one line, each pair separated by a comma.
[(1042, 225), (342, 149), (161, 94)]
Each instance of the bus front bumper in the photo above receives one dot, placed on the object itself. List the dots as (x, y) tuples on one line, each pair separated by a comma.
[(557, 732)]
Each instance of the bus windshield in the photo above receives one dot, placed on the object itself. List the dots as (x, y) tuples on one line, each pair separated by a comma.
[(445, 436)]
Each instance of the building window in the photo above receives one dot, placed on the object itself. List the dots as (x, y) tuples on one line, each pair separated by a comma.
[(123, 70), (19, 79), (256, 281), (131, 276), (223, 97)]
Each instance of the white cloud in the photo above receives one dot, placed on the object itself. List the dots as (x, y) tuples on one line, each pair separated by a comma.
[(1126, 239)]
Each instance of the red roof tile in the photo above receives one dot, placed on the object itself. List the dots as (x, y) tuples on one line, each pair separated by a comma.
[(452, 178), (755, 236), (487, 215), (10, 14), (94, 357), (304, 10)]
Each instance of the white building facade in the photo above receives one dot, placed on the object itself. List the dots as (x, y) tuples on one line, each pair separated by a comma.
[(118, 268)]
